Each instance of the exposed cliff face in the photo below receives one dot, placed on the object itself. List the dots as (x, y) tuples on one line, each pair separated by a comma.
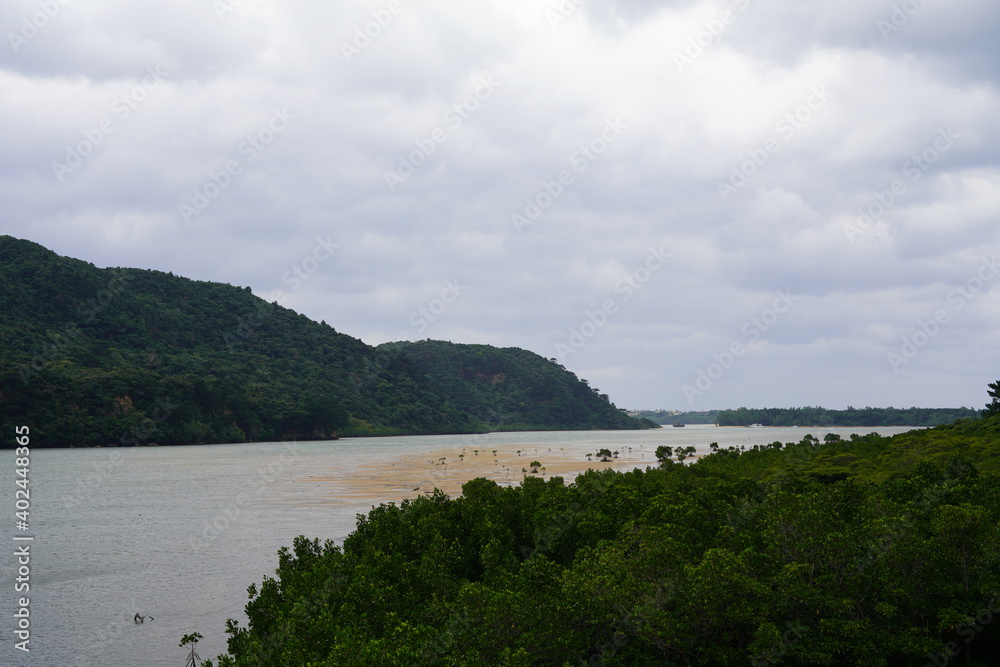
[(489, 378)]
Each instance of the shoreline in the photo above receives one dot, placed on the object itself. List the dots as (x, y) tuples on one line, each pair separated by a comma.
[(449, 468), (348, 438)]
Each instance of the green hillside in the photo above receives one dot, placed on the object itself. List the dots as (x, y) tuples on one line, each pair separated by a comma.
[(513, 389), (93, 356)]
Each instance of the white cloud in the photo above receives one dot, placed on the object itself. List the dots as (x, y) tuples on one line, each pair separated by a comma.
[(655, 184)]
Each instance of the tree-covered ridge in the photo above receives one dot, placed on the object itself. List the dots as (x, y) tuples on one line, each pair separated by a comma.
[(857, 417), (781, 555), (514, 389), (94, 356)]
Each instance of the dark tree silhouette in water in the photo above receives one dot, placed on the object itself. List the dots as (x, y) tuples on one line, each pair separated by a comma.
[(193, 657)]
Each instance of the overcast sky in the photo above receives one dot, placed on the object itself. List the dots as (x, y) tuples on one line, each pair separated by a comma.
[(692, 204)]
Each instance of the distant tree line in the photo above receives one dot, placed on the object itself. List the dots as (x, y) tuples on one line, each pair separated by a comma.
[(812, 416), (665, 417), (860, 417)]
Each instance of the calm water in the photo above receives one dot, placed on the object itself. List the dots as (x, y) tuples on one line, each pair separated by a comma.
[(179, 533)]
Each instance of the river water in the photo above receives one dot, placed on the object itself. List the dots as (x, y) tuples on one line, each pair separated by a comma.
[(177, 534)]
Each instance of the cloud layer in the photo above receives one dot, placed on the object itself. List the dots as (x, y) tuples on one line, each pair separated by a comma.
[(831, 161)]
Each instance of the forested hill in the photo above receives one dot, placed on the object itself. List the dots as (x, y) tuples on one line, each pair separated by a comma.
[(93, 356), (512, 389)]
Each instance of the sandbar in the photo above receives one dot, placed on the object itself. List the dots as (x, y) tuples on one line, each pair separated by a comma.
[(447, 469)]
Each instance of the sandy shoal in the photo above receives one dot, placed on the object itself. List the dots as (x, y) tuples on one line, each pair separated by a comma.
[(448, 469)]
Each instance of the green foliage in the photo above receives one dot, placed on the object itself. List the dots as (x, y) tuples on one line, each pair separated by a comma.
[(94, 356), (767, 556), (850, 417), (683, 452), (193, 657), (813, 417), (513, 389), (993, 407)]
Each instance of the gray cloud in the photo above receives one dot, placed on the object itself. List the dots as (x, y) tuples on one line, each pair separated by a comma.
[(726, 156)]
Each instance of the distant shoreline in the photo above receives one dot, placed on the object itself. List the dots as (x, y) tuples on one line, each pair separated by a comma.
[(479, 433), (816, 427)]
